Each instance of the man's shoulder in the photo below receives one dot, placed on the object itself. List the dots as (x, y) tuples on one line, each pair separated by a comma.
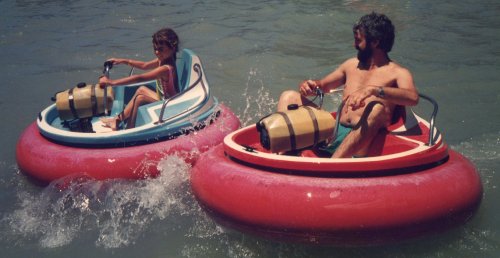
[(398, 73), (350, 63), (397, 68)]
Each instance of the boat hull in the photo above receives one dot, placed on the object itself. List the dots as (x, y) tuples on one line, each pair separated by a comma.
[(336, 210), (47, 161)]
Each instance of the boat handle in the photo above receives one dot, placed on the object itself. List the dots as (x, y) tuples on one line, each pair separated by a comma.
[(197, 69), (433, 117), (321, 95), (107, 66), (337, 121)]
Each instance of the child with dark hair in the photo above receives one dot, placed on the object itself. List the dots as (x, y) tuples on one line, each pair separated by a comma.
[(162, 68)]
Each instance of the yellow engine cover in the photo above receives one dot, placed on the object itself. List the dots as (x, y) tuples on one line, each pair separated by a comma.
[(295, 129), (83, 101)]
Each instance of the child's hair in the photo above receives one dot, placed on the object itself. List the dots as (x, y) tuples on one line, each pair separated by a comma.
[(167, 37)]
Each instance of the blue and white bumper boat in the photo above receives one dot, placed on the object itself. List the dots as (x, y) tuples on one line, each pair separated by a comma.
[(186, 124)]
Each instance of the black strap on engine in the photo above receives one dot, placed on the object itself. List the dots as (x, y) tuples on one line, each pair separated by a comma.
[(93, 100), (293, 143), (315, 123), (71, 100)]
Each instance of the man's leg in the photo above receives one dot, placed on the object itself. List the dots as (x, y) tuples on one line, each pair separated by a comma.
[(292, 97), (358, 141)]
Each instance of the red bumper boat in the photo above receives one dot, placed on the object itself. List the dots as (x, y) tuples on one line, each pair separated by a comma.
[(410, 184)]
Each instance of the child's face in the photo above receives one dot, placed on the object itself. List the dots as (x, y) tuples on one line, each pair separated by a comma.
[(162, 51)]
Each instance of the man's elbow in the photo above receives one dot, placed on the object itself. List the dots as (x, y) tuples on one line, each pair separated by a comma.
[(413, 99), (410, 98)]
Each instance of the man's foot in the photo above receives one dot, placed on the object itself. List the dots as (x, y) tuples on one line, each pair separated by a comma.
[(110, 122)]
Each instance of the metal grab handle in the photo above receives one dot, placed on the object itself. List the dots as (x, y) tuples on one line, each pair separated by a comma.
[(337, 121), (197, 69), (321, 95), (107, 66), (433, 117)]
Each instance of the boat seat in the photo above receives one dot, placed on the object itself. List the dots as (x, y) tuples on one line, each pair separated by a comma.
[(387, 141), (183, 65), (143, 115)]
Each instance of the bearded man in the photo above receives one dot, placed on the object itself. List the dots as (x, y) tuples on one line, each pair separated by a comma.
[(374, 86)]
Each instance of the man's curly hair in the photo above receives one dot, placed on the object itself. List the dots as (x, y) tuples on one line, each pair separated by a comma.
[(377, 27)]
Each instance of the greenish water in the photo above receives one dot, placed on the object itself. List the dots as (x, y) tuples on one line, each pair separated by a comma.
[(251, 51)]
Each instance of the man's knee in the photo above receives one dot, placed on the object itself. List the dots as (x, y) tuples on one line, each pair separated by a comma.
[(288, 97), (378, 117)]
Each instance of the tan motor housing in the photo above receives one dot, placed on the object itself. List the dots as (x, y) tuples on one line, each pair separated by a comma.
[(295, 129), (83, 101)]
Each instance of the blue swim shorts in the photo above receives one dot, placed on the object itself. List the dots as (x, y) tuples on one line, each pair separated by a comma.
[(342, 132)]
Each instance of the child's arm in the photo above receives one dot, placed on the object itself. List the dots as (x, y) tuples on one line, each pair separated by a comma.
[(150, 75), (136, 63)]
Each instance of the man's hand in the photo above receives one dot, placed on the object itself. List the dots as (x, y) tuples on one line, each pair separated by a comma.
[(357, 99), (308, 88)]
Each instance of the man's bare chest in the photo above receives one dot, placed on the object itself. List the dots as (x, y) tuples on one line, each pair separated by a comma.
[(357, 79)]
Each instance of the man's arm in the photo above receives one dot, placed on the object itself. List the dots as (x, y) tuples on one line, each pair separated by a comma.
[(404, 94), (333, 80)]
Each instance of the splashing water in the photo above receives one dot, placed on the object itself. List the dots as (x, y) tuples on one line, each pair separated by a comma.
[(118, 211), (259, 103)]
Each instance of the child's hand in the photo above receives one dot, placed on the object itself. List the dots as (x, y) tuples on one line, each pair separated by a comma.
[(103, 81), (118, 61)]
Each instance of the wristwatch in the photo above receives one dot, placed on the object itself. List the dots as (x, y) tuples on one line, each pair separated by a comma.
[(380, 92)]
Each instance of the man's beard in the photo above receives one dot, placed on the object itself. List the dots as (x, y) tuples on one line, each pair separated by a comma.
[(364, 55)]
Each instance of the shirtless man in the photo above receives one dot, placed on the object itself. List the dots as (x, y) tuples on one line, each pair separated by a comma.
[(374, 85)]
